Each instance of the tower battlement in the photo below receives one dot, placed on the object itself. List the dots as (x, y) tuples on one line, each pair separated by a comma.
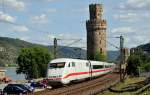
[(96, 11)]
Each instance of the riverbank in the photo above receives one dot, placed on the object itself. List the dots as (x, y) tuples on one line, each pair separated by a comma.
[(11, 72)]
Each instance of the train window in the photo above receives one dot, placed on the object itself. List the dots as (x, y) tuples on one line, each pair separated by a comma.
[(57, 65), (87, 64), (69, 65), (73, 64), (107, 66), (98, 66)]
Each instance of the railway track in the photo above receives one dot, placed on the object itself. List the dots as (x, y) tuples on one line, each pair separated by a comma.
[(86, 88)]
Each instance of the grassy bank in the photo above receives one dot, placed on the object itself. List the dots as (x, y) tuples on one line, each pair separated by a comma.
[(129, 83)]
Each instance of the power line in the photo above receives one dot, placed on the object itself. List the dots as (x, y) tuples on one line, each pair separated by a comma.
[(70, 44), (113, 45), (56, 45)]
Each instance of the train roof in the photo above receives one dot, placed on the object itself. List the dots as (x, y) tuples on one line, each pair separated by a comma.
[(65, 59), (81, 60)]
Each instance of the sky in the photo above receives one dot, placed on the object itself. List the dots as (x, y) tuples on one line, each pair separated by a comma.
[(39, 21)]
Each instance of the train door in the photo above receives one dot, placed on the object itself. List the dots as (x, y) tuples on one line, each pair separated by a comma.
[(88, 69), (73, 69), (70, 72), (79, 70)]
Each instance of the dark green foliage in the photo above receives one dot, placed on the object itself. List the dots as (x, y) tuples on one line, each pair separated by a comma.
[(136, 61), (133, 64), (33, 62), (146, 67), (145, 61), (98, 57), (143, 52)]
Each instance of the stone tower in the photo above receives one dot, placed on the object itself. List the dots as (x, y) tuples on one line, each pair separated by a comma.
[(96, 31)]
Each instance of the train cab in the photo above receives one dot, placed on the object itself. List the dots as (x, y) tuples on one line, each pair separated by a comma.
[(55, 71)]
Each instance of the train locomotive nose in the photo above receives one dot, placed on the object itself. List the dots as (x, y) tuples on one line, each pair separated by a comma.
[(55, 81), (57, 78)]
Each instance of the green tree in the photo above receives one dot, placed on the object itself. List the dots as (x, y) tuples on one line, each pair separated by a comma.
[(145, 67), (33, 62), (134, 62), (98, 57)]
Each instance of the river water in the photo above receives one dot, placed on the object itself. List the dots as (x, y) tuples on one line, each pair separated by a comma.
[(11, 72)]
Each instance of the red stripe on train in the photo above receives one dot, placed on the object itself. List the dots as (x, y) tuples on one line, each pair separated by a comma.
[(54, 78), (80, 73)]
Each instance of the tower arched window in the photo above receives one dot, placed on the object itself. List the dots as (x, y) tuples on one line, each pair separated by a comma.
[(101, 50)]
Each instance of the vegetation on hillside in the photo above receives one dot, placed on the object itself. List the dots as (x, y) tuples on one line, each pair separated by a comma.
[(10, 49), (138, 61), (13, 48), (145, 48), (33, 62)]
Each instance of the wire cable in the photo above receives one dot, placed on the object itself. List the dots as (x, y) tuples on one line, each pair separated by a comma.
[(69, 44)]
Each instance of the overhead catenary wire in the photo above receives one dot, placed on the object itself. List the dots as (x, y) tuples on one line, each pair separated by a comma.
[(56, 46), (113, 45), (69, 44)]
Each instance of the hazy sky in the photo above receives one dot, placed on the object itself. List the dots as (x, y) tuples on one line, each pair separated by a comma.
[(39, 21)]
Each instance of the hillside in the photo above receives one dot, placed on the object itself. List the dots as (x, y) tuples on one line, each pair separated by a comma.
[(145, 47), (10, 48)]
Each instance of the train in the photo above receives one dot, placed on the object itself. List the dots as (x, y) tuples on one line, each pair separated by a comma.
[(63, 71)]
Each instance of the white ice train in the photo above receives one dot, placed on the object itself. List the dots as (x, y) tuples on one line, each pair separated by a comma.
[(65, 70)]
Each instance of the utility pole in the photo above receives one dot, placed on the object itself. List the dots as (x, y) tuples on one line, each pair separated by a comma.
[(55, 47), (121, 57)]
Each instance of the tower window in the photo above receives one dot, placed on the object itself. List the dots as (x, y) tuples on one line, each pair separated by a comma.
[(101, 50)]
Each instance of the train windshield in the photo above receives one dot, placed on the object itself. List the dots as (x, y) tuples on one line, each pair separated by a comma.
[(57, 65)]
